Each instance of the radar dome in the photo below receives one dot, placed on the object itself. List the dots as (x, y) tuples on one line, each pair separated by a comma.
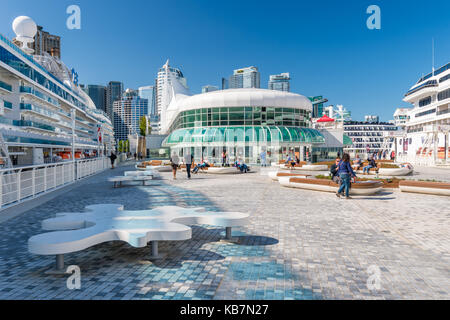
[(25, 29)]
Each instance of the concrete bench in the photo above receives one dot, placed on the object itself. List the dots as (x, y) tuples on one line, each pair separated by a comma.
[(117, 181), (74, 232), (139, 173)]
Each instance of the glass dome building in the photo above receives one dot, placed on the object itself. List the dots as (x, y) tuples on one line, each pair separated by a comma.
[(243, 122)]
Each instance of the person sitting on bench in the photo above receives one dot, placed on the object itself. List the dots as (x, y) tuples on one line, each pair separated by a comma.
[(203, 164), (372, 164), (334, 171), (241, 166), (357, 163)]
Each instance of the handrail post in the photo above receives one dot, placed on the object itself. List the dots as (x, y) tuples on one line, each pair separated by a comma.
[(33, 181), (45, 179), (1, 189), (19, 184)]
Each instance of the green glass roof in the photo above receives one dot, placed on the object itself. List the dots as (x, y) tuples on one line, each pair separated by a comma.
[(347, 140), (245, 134)]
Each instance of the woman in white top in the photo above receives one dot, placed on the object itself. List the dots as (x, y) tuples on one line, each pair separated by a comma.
[(175, 162)]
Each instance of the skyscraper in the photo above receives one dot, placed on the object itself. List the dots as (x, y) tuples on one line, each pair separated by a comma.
[(98, 94), (224, 83), (318, 108), (245, 78), (114, 92), (163, 98), (279, 82), (149, 93), (209, 88), (127, 113)]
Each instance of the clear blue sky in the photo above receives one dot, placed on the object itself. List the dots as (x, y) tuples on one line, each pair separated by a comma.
[(325, 45)]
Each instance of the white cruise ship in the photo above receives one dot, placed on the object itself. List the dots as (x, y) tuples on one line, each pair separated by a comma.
[(425, 137), (44, 115)]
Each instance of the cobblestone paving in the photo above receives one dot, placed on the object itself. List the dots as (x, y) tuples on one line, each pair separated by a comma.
[(299, 245)]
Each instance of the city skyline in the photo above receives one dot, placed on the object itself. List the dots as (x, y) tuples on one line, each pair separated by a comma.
[(367, 71)]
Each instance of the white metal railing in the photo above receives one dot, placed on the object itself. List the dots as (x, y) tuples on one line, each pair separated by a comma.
[(26, 183)]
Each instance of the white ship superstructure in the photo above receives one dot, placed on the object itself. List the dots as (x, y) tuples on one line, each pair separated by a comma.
[(43, 112), (369, 137), (425, 138)]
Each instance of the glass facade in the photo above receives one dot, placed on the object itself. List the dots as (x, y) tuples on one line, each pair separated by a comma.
[(245, 143), (279, 82), (149, 93), (242, 116)]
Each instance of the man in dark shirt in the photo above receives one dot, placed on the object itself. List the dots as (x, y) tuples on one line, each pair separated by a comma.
[(334, 171)]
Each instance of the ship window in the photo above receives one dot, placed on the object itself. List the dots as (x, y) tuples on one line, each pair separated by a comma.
[(444, 95), (424, 102)]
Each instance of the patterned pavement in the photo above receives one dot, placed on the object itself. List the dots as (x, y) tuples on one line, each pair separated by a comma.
[(299, 245)]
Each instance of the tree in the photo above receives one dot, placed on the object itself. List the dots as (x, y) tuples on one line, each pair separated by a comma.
[(143, 126)]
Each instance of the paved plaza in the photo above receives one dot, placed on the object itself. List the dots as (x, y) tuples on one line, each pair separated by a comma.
[(299, 245)]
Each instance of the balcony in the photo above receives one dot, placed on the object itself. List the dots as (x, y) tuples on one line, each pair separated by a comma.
[(39, 111), (4, 87), (39, 95), (6, 121), (443, 112), (7, 105), (33, 125)]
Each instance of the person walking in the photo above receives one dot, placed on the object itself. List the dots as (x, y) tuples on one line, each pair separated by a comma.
[(345, 173), (112, 157), (188, 158), (224, 158), (175, 162), (393, 155), (263, 159)]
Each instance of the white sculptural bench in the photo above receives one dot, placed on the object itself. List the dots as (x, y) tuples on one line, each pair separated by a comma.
[(74, 232), (117, 181)]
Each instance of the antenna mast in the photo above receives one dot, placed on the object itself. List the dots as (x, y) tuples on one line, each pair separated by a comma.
[(432, 55)]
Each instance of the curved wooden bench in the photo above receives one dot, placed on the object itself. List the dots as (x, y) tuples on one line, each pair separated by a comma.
[(223, 170), (428, 187), (274, 175), (358, 188), (314, 167)]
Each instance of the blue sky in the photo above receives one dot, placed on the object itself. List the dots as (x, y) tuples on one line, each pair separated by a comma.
[(325, 45)]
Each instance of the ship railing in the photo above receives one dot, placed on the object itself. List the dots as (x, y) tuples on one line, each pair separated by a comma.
[(21, 184)]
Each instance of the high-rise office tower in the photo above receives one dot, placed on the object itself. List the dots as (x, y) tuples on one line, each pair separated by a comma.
[(318, 106), (114, 92), (209, 88), (279, 82), (245, 78), (44, 42), (149, 93), (127, 114), (97, 93), (224, 83)]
